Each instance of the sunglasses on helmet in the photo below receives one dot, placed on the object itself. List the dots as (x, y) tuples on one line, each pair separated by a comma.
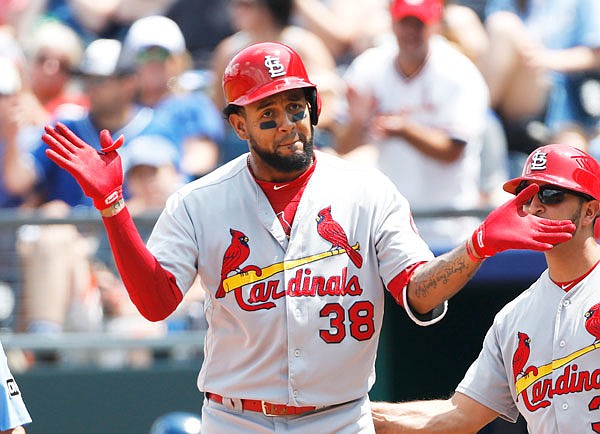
[(552, 194)]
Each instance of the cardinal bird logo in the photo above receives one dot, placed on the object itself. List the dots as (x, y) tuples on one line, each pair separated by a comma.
[(521, 354), (331, 231), (237, 252), (592, 321)]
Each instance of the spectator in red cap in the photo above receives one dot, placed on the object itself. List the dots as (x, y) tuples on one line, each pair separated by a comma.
[(422, 105), (428, 11)]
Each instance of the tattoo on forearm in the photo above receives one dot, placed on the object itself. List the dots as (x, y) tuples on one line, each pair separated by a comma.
[(450, 271)]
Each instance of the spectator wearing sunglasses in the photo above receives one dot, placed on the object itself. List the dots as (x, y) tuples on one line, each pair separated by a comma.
[(540, 357), (162, 68), (54, 52)]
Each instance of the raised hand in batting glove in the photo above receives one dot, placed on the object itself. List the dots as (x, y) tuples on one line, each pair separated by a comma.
[(99, 173), (510, 227)]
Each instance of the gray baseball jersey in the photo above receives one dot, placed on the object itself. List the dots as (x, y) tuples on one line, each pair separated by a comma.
[(13, 412), (541, 358), (286, 315)]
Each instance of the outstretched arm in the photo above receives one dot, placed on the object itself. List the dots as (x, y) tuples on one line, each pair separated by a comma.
[(507, 227), (151, 288), (459, 414)]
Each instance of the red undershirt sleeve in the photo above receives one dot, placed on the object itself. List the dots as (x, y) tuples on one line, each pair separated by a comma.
[(397, 287), (152, 289), (398, 284)]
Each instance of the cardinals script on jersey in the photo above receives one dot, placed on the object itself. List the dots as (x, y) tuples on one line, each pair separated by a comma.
[(555, 353)]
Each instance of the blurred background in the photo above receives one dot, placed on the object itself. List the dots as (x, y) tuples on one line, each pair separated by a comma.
[(85, 360)]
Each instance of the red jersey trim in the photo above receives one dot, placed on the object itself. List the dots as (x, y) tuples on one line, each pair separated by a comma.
[(567, 286), (397, 285)]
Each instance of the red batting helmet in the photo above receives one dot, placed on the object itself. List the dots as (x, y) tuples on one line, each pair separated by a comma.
[(561, 165), (264, 69)]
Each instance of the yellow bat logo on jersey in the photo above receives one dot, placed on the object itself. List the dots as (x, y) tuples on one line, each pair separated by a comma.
[(242, 279), (539, 372)]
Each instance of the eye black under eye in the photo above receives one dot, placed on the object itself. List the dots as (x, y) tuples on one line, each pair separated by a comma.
[(268, 125), (299, 116)]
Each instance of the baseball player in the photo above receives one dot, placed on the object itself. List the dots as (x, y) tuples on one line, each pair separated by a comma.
[(295, 248), (541, 356), (13, 413)]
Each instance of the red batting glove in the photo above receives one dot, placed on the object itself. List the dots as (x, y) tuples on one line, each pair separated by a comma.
[(510, 227), (99, 174)]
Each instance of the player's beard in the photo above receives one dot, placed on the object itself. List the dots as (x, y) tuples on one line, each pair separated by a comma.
[(575, 219), (287, 163)]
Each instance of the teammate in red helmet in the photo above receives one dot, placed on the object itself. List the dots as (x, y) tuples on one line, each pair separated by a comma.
[(560, 165), (567, 167), (541, 357), (295, 249)]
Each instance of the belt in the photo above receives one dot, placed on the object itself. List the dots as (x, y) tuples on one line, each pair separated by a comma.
[(266, 408)]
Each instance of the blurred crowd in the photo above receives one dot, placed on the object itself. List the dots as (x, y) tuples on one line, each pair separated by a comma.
[(447, 99)]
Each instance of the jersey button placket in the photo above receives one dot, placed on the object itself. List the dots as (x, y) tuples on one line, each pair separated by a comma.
[(295, 317), (562, 343)]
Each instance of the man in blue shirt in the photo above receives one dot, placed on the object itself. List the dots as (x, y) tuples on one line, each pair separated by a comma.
[(157, 47), (111, 86), (56, 274)]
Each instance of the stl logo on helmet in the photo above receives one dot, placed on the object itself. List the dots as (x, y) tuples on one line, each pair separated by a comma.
[(538, 161), (273, 64)]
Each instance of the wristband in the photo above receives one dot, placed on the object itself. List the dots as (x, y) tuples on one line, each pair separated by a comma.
[(471, 254), (114, 209)]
